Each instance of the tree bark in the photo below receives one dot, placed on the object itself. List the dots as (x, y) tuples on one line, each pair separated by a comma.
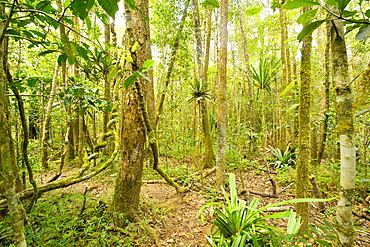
[(9, 173), (221, 113), (304, 120), (345, 128), (128, 183), (324, 127)]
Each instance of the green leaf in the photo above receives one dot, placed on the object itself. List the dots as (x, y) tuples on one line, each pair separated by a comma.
[(81, 8), (292, 107), (43, 53), (367, 13), (110, 6), (62, 58), (212, 3), (295, 4), (363, 33), (323, 243), (32, 82), (364, 180), (331, 2), (130, 80), (254, 10), (307, 16), (147, 64), (287, 89), (131, 4), (308, 29), (342, 4)]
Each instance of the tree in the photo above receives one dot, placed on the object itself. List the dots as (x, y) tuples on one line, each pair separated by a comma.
[(221, 97), (304, 126), (128, 183)]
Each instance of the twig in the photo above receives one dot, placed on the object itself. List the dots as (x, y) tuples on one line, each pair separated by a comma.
[(284, 189)]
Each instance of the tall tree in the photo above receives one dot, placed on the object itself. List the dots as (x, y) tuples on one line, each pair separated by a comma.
[(128, 183), (8, 168), (345, 128), (221, 97), (304, 120)]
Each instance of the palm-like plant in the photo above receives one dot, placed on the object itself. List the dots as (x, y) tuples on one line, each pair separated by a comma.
[(239, 224), (199, 91), (264, 73)]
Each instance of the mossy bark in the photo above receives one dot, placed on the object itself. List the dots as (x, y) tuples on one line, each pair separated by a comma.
[(345, 128), (9, 170), (126, 196), (221, 112), (304, 120)]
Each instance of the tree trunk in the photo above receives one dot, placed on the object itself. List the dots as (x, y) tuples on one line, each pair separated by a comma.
[(221, 97), (345, 128), (45, 135), (208, 144), (304, 121), (324, 127), (9, 173), (128, 183)]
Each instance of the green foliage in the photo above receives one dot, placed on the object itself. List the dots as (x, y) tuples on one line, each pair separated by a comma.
[(212, 3), (199, 91), (283, 159), (308, 29), (239, 224), (59, 220), (265, 73), (325, 234)]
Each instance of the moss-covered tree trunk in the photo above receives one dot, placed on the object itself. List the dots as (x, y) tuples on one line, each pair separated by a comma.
[(128, 183), (221, 113), (9, 173), (304, 121), (345, 129), (324, 127)]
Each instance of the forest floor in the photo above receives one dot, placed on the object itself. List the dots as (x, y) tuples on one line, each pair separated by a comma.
[(173, 216)]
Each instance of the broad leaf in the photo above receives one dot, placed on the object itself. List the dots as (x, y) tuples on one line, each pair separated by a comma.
[(307, 30), (253, 10), (81, 8), (331, 2), (342, 4), (287, 89), (147, 64), (307, 16), (212, 3), (130, 80), (62, 58), (110, 6), (295, 4), (363, 33)]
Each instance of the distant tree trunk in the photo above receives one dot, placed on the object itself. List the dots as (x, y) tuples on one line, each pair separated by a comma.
[(208, 144), (128, 183), (9, 173), (107, 88), (345, 128), (304, 121), (221, 97), (324, 127), (247, 69), (45, 135)]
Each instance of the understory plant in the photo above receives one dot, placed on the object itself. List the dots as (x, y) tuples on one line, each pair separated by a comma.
[(239, 224), (283, 159)]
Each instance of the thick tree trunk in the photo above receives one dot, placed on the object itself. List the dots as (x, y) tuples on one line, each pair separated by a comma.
[(128, 183), (345, 128), (221, 97), (9, 173), (304, 120)]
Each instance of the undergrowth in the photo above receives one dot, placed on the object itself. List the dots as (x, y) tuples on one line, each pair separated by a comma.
[(66, 219)]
